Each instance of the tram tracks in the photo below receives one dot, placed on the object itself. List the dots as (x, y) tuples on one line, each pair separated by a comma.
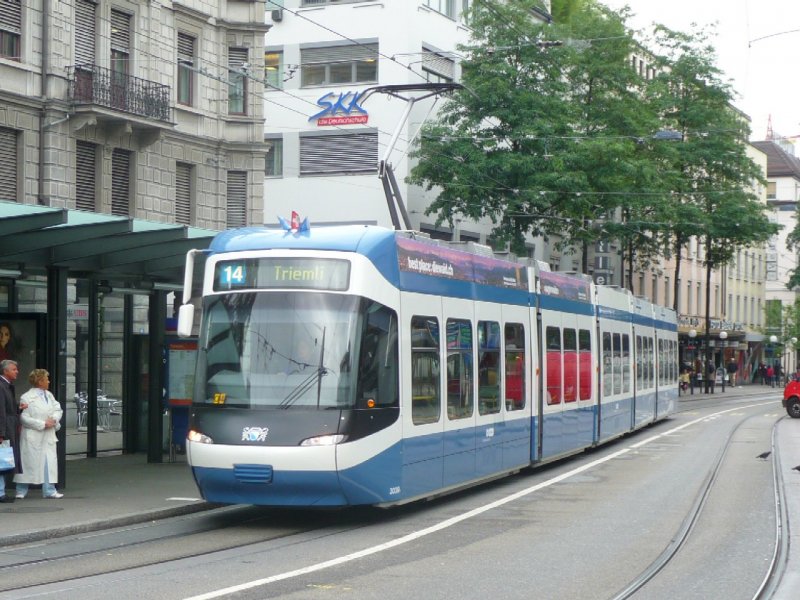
[(777, 564), (113, 551)]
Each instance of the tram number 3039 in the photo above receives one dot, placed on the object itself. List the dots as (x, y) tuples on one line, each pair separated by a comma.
[(393, 491)]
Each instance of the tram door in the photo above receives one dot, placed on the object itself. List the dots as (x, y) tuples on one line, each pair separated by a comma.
[(489, 419), (422, 393), (459, 442)]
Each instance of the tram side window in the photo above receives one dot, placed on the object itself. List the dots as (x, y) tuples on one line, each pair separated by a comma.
[(585, 366), (553, 373), (651, 364), (377, 373), (626, 363), (617, 363), (515, 366), (608, 362), (488, 367), (570, 365), (460, 395), (425, 372), (639, 363)]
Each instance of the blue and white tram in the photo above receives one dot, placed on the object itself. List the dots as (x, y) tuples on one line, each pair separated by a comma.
[(358, 365)]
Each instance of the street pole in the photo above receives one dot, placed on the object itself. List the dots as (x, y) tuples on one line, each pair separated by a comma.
[(723, 335)]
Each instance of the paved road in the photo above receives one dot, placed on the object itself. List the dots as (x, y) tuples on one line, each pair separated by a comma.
[(582, 528)]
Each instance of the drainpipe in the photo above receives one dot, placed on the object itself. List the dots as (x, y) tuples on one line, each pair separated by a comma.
[(42, 111)]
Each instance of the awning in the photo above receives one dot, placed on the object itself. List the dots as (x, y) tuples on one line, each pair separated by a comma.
[(94, 245)]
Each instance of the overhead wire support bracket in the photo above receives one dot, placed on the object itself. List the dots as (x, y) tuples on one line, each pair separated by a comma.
[(394, 199)]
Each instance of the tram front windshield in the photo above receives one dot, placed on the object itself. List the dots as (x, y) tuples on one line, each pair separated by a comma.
[(292, 350)]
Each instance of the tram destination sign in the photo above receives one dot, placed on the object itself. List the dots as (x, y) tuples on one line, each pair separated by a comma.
[(273, 272)]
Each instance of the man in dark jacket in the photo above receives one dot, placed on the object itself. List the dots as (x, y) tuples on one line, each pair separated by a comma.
[(732, 368), (9, 421)]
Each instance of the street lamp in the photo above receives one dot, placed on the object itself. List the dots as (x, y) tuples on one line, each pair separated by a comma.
[(723, 335), (773, 339), (692, 374)]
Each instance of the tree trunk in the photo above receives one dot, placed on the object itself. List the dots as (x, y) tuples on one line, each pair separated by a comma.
[(676, 289), (708, 315)]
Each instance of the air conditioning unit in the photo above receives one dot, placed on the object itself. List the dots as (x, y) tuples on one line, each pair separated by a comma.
[(277, 15)]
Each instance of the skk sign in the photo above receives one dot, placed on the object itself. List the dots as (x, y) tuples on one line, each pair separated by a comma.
[(342, 111)]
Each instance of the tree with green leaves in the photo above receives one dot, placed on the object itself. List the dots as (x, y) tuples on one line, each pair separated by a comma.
[(535, 140), (563, 10), (793, 243), (714, 178)]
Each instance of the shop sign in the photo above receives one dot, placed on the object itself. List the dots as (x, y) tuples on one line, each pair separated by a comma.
[(78, 312), (344, 110)]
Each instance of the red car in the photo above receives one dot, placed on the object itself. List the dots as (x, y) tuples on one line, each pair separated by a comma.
[(791, 399)]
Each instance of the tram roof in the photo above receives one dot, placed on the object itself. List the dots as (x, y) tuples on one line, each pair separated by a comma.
[(95, 245)]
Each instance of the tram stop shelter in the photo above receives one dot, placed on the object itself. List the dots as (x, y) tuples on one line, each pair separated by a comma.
[(66, 250)]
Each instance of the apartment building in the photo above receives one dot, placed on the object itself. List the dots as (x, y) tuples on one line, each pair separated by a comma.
[(133, 108)]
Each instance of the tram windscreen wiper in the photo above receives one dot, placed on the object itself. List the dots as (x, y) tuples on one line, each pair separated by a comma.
[(305, 385), (301, 388)]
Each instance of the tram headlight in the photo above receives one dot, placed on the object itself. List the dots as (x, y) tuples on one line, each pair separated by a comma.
[(200, 438), (323, 440)]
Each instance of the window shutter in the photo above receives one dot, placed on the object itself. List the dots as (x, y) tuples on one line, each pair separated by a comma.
[(85, 173), (183, 193), (437, 63), (329, 154), (120, 182), (120, 31), (8, 164), (237, 199), (236, 58), (332, 54), (185, 48), (85, 19), (11, 16)]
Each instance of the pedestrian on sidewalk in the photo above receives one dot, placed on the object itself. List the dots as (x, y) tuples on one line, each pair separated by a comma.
[(770, 376), (9, 420), (40, 421), (732, 368)]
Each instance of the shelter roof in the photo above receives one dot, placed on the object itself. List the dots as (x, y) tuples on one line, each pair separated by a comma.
[(95, 245)]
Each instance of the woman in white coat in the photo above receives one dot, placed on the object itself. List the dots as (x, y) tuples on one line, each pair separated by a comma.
[(40, 421)]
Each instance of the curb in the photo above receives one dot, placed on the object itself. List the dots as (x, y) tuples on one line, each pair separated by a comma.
[(38, 535)]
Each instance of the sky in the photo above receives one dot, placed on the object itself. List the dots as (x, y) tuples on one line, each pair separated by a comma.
[(763, 72)]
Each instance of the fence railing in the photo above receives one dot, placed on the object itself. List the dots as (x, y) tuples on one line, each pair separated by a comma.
[(98, 85)]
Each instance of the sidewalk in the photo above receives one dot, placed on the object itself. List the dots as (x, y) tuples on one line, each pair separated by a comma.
[(101, 493), (118, 490)]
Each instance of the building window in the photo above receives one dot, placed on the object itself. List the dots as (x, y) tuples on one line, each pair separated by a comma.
[(446, 7), (274, 158), (85, 176), (120, 58), (237, 80), (185, 69), (437, 68), (771, 190), (183, 193), (10, 28), (332, 65), (120, 183), (273, 69), (237, 199), (319, 2), (339, 154), (85, 27), (8, 165)]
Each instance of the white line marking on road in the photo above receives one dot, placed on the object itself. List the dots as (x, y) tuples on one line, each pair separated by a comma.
[(451, 521)]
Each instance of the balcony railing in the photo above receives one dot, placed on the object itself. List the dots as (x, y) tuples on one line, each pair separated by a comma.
[(90, 84)]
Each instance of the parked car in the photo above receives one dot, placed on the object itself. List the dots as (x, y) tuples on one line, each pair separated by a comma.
[(791, 399)]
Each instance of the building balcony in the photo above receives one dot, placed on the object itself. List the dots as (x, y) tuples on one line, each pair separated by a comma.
[(101, 95)]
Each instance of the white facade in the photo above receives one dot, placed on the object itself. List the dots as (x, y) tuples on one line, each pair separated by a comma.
[(319, 173)]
